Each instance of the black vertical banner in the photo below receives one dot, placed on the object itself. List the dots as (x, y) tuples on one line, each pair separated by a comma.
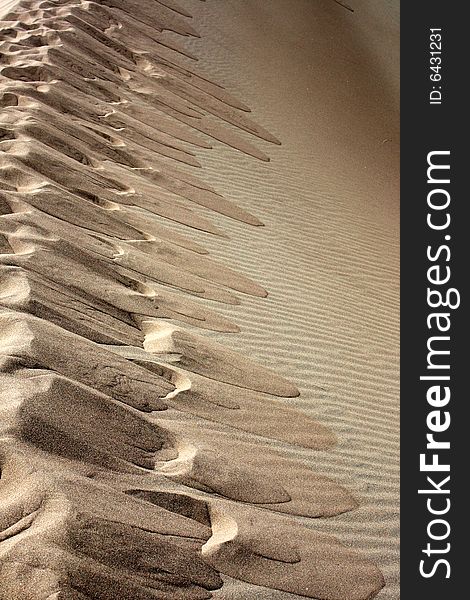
[(435, 357)]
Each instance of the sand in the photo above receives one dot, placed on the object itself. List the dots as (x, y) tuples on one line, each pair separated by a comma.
[(198, 344)]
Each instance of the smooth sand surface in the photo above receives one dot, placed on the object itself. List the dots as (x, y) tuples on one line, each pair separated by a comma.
[(159, 319)]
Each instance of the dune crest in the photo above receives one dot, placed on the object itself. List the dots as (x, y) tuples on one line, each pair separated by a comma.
[(134, 452)]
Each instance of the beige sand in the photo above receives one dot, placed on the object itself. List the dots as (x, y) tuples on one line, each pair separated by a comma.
[(145, 453)]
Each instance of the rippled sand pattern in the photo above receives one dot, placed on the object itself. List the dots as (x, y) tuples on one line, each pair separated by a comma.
[(149, 448)]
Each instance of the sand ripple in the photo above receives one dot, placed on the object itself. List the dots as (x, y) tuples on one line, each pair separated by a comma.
[(138, 455)]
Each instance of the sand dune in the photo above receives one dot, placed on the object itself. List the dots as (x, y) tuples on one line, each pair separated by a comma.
[(143, 455)]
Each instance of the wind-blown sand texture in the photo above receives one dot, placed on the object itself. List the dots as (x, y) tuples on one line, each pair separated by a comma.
[(145, 453)]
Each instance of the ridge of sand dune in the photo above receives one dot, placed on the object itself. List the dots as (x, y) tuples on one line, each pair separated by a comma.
[(135, 459)]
